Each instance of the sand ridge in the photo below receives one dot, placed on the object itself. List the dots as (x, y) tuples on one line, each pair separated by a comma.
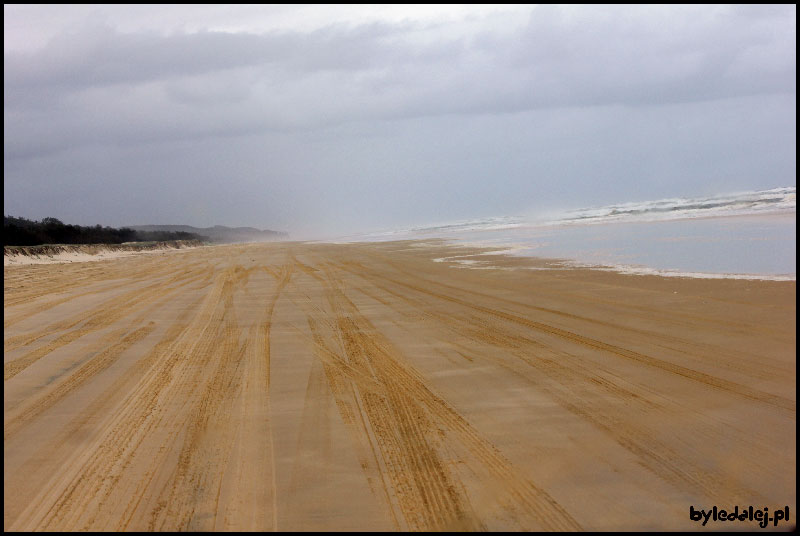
[(69, 253), (293, 386)]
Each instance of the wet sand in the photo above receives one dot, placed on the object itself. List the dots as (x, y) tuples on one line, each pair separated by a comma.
[(293, 386)]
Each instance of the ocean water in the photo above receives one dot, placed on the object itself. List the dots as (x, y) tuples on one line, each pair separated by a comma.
[(742, 235)]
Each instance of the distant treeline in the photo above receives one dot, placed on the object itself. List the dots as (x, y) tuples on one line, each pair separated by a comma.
[(24, 232)]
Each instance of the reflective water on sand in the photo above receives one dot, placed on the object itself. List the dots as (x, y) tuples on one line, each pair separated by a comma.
[(764, 244)]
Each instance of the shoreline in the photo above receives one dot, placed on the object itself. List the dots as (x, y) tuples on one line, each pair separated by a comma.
[(477, 257), (641, 270), (527, 246), (522, 249)]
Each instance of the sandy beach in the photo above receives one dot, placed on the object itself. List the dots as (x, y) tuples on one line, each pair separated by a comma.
[(295, 386)]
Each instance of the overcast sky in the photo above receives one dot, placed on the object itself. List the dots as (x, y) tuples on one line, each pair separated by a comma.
[(320, 120)]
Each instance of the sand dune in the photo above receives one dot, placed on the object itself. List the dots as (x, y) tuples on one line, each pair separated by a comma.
[(69, 253), (365, 387)]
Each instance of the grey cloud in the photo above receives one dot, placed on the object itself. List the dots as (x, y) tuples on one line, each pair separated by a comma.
[(379, 174), (99, 56), (625, 56), (214, 83), (399, 122)]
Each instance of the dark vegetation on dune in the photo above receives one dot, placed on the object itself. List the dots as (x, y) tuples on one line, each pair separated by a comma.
[(220, 233), (25, 232)]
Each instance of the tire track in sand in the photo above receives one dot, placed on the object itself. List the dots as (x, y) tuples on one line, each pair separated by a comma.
[(560, 375), (406, 418), (685, 372), (101, 317), (142, 430), (86, 372)]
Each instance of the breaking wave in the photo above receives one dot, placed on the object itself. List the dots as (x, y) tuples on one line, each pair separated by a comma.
[(735, 204)]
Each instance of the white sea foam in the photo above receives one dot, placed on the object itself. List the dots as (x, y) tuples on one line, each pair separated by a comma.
[(775, 200), (644, 270)]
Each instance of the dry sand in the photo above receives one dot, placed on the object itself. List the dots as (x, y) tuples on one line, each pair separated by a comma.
[(364, 387)]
